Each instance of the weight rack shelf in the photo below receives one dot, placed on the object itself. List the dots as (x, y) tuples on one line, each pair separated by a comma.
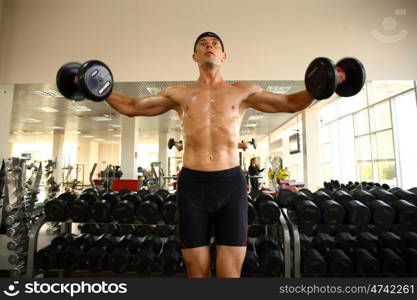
[(280, 229)]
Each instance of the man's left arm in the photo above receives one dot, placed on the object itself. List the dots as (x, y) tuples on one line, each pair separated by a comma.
[(273, 103)]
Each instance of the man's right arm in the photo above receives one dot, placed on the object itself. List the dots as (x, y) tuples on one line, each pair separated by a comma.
[(148, 106)]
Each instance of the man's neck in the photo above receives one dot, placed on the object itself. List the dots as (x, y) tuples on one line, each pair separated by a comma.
[(209, 75)]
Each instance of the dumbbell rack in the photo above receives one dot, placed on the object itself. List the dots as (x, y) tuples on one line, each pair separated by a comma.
[(279, 230), (18, 205), (296, 245)]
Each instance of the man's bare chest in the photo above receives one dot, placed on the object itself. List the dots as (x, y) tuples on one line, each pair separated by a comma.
[(211, 102)]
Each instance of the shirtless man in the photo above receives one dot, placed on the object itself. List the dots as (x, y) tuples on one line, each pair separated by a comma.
[(211, 185)]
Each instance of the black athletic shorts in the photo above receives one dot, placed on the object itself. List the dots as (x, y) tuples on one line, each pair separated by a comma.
[(215, 200)]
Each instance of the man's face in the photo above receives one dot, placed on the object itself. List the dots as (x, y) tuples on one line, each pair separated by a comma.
[(209, 51)]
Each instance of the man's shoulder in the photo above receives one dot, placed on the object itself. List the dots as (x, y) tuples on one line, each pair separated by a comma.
[(174, 89), (179, 86), (247, 85)]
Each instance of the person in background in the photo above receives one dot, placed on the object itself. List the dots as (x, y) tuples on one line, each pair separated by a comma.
[(254, 171)]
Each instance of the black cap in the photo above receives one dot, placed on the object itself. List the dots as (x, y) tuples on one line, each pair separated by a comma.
[(210, 34)]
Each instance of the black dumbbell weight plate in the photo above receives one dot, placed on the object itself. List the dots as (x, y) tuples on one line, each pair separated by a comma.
[(65, 81), (320, 78), (355, 77), (95, 80)]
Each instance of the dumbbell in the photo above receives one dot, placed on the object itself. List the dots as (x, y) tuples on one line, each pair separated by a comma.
[(385, 186), (251, 142), (375, 229), (305, 242), (18, 245), (351, 186), (406, 212), (346, 242), (332, 212), (169, 210), (12, 220), (363, 196), (149, 209), (392, 265), (170, 258), (267, 210), (109, 228), (143, 230), (72, 257), (271, 258), (79, 209), (56, 209), (321, 195), (307, 229), (413, 190), (284, 197), (93, 229), (15, 207), (410, 239), (92, 80), (384, 195), (307, 192), (164, 231), (17, 258), (404, 195), (18, 270), (332, 185), (127, 229), (400, 229), (366, 264), (294, 199), (392, 241), (145, 260), (18, 231), (410, 258), (124, 210), (324, 242), (308, 213), (312, 263), (96, 257), (47, 257), (178, 144), (252, 215), (337, 228), (120, 259), (250, 263), (256, 230), (100, 210), (341, 196), (357, 213), (370, 242), (339, 264), (382, 213)]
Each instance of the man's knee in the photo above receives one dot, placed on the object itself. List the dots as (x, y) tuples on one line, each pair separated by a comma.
[(197, 262), (197, 269)]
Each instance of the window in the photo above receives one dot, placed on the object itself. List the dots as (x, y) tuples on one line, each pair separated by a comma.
[(381, 90), (368, 137), (404, 110)]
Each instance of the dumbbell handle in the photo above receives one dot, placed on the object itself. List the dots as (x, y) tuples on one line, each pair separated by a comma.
[(341, 75)]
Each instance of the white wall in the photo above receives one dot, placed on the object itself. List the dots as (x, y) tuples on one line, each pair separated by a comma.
[(152, 39), (108, 154)]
